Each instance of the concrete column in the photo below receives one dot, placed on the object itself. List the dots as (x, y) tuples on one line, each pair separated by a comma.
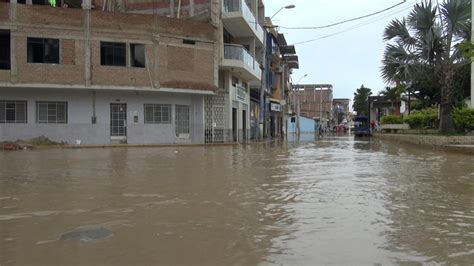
[(172, 4), (191, 8), (216, 9), (156, 53), (13, 61), (86, 5)]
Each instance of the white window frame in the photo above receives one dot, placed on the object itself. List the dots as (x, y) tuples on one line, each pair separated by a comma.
[(182, 120), (52, 112), (4, 108), (157, 114)]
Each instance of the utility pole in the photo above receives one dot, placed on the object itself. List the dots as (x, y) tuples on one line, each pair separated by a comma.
[(298, 110), (320, 105)]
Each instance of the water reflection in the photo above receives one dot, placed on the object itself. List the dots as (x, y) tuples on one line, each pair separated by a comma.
[(333, 200)]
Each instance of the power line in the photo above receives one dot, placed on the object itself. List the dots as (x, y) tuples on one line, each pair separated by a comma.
[(357, 25), (344, 21)]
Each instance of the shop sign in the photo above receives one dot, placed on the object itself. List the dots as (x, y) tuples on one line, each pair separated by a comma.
[(276, 107), (240, 94)]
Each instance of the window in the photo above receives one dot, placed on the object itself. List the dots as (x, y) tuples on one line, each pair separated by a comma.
[(4, 49), (187, 41), (51, 112), (113, 54), (13, 111), (182, 119), (137, 55), (43, 50), (157, 113)]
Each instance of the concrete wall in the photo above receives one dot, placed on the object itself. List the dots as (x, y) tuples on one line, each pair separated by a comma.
[(80, 111)]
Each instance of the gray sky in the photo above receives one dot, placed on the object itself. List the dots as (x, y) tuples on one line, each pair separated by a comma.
[(346, 60)]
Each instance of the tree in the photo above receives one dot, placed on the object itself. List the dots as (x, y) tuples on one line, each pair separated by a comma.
[(361, 98), (427, 46), (392, 94)]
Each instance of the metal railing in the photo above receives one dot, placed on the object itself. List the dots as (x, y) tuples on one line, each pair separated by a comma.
[(241, 6), (238, 52)]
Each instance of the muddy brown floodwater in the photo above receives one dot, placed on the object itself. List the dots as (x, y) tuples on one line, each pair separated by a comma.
[(336, 200)]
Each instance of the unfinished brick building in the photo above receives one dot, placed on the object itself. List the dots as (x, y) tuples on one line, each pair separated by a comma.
[(135, 71), (93, 76)]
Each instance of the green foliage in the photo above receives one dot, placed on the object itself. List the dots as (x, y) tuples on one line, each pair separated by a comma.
[(464, 119), (361, 97), (392, 119), (426, 56), (427, 118), (467, 48)]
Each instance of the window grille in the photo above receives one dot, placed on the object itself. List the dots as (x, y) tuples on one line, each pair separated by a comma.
[(157, 113), (182, 119), (13, 111), (51, 112)]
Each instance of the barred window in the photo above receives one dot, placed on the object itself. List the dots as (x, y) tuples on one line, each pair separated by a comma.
[(13, 112), (182, 119), (157, 113), (51, 112)]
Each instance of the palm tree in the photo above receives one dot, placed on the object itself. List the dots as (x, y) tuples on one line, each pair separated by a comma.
[(427, 41), (392, 94)]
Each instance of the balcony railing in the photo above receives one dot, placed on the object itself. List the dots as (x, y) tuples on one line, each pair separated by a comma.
[(239, 53), (241, 6)]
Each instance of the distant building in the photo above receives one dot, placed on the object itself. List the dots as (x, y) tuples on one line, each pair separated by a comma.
[(316, 101), (341, 110)]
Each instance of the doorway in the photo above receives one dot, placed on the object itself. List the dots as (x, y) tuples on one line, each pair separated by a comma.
[(234, 124), (118, 121), (244, 125)]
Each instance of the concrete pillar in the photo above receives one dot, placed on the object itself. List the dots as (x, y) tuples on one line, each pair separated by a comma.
[(13, 61), (86, 5), (191, 8), (216, 10)]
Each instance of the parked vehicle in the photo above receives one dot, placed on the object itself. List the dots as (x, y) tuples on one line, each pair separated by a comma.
[(362, 126)]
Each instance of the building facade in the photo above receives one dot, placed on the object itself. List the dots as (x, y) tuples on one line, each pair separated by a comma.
[(86, 75), (233, 113), (316, 101), (341, 110)]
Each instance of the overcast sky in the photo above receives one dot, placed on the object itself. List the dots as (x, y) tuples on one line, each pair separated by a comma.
[(348, 59)]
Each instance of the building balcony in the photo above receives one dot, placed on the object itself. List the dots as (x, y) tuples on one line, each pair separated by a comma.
[(241, 62), (239, 20)]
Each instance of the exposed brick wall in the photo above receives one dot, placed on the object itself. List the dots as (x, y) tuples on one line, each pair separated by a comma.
[(174, 73), (45, 73), (117, 75), (4, 76), (181, 59), (68, 25), (68, 52), (45, 15), (4, 12)]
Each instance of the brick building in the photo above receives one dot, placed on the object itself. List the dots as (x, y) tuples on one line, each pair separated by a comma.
[(315, 101), (103, 77)]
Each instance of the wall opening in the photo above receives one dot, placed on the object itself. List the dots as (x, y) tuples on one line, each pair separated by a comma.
[(5, 57)]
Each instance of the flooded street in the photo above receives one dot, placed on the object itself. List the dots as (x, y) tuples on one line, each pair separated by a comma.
[(331, 201)]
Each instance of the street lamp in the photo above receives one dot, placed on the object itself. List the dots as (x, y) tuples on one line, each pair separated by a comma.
[(285, 7), (298, 108)]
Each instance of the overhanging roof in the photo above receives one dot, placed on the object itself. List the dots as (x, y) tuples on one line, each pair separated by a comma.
[(287, 50), (281, 39)]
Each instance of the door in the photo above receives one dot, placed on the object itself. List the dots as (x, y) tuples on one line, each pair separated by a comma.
[(118, 121), (244, 125), (234, 124)]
